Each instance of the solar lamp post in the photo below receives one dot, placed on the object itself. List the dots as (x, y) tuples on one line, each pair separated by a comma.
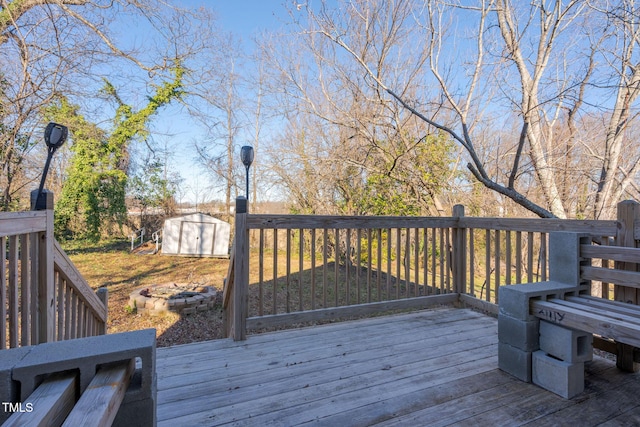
[(54, 136), (247, 155)]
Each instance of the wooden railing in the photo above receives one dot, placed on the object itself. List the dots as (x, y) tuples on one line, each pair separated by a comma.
[(304, 268), (43, 297)]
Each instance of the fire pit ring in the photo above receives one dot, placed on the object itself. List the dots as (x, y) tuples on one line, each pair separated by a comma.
[(179, 298)]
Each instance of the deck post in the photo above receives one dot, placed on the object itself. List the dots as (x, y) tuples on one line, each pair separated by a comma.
[(628, 218), (45, 325), (459, 251), (103, 294), (241, 273)]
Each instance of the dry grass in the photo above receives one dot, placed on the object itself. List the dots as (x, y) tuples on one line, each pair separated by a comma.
[(113, 266)]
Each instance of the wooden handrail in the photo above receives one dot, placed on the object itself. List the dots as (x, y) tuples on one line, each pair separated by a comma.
[(43, 296), (227, 290), (385, 258), (16, 223)]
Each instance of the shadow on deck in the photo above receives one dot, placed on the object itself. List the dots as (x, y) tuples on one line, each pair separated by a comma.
[(430, 368)]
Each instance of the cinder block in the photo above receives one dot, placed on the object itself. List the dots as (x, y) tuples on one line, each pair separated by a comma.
[(9, 389), (514, 299), (137, 413), (515, 361), (562, 378), (565, 260), (566, 344), (85, 355), (521, 334)]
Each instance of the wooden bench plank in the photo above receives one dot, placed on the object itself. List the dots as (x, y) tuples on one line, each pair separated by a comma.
[(629, 279), (49, 404), (612, 253), (99, 403), (619, 330), (613, 306), (599, 309)]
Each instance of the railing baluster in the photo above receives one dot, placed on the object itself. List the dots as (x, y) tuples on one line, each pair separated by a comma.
[(25, 289), (448, 258), (406, 260), (313, 269), (300, 269), (357, 263), (472, 261), (425, 260), (518, 257), (74, 316), (13, 292), (508, 257), (442, 261), (336, 267), (261, 273), (60, 283), (347, 264), (433, 260), (487, 262), (3, 294), (275, 271), (369, 264), (398, 260), (416, 258), (388, 263), (288, 271), (605, 287), (543, 255), (325, 261), (530, 257), (497, 267), (67, 312)]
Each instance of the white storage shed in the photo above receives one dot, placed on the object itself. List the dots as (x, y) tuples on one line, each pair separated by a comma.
[(197, 235)]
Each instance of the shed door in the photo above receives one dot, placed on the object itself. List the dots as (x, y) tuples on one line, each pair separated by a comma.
[(197, 238)]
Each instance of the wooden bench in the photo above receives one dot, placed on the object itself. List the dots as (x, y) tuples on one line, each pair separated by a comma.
[(103, 380), (615, 323), (54, 402)]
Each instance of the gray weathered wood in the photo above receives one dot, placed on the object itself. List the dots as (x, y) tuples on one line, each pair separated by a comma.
[(16, 223), (587, 320), (435, 367), (50, 403), (68, 271), (99, 403)]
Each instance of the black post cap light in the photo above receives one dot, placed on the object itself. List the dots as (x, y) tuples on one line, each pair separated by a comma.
[(54, 136), (246, 155)]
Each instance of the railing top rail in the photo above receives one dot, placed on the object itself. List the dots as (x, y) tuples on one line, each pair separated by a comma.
[(352, 222), (15, 223), (543, 225)]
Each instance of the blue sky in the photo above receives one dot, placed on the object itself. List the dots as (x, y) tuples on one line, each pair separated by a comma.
[(244, 19)]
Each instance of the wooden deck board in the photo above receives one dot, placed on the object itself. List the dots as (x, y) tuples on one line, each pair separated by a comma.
[(434, 367)]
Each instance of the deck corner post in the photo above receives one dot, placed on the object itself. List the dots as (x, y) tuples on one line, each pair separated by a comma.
[(628, 219), (103, 294), (459, 252), (44, 326), (241, 273)]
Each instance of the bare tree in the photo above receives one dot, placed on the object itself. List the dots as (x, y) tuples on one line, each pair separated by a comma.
[(350, 136), (525, 60)]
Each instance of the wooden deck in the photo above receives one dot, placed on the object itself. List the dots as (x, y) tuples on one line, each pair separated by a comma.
[(429, 368)]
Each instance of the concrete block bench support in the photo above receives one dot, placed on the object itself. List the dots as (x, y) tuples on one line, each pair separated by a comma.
[(23, 369), (519, 330), (546, 330)]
